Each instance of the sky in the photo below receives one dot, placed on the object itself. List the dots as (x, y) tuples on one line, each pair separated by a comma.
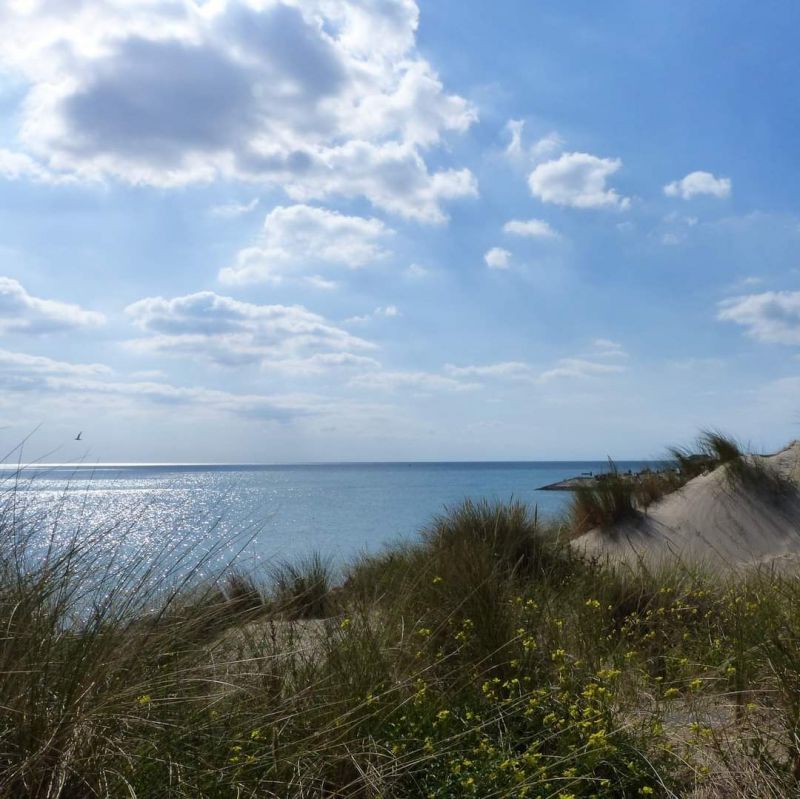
[(375, 230)]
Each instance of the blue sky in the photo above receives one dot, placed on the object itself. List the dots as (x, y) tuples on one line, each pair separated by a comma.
[(252, 230)]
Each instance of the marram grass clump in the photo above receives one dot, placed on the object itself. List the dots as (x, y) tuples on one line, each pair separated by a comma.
[(743, 470), (610, 500)]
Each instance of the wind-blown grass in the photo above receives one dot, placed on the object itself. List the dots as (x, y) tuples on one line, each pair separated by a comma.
[(303, 589), (608, 501), (743, 470)]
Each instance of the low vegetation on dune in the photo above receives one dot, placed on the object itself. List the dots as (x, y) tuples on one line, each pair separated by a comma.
[(485, 659)]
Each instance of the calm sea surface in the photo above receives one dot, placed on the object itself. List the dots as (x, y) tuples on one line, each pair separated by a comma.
[(258, 513)]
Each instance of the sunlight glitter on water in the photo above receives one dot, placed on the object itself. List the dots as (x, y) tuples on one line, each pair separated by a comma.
[(258, 514)]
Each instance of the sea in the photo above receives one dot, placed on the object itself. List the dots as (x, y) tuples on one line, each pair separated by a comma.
[(256, 515)]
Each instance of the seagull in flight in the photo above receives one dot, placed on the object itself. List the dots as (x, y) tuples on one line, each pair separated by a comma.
[(78, 437)]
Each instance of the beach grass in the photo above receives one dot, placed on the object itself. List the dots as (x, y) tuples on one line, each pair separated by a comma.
[(743, 469), (486, 658), (610, 499)]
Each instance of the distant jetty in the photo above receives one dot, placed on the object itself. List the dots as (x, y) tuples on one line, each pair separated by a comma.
[(589, 479), (570, 484)]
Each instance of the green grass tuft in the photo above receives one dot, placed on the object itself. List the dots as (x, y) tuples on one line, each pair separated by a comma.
[(303, 589)]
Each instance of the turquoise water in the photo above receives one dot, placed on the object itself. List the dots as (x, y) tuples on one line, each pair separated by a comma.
[(259, 513)]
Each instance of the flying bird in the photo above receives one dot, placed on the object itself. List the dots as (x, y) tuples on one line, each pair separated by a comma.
[(78, 437)]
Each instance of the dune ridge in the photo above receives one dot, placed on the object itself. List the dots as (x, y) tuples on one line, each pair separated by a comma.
[(714, 519)]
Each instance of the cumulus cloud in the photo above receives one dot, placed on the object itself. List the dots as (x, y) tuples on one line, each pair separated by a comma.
[(296, 236), (21, 312), (228, 332), (697, 183), (773, 316), (577, 180), (321, 97), (497, 258), (533, 228)]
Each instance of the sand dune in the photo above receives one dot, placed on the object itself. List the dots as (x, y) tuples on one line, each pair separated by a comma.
[(714, 519)]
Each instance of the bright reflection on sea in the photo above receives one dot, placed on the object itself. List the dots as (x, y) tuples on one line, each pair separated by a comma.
[(215, 516)]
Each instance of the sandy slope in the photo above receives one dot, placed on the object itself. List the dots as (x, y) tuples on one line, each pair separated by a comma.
[(711, 520)]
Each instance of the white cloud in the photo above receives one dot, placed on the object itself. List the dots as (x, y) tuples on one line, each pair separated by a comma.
[(514, 148), (319, 282), (417, 271), (44, 379), (148, 374), (606, 348), (321, 97), (21, 312), (296, 236), (515, 370), (232, 210), (534, 228), (474, 376), (16, 166), (420, 381), (451, 379), (577, 180), (699, 365), (391, 175), (580, 368), (51, 386), (228, 332), (773, 316), (388, 311), (322, 362), (17, 363), (497, 258), (696, 183), (545, 147)]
